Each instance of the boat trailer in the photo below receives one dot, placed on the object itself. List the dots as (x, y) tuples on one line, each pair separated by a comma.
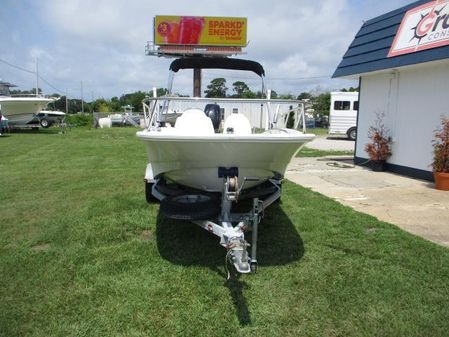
[(229, 226)]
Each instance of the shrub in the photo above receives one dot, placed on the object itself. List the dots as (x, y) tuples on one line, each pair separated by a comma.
[(441, 147), (79, 119), (379, 147)]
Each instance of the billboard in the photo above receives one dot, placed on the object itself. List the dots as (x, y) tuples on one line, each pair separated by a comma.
[(200, 31), (423, 27)]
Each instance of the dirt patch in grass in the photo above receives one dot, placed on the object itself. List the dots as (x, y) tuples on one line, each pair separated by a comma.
[(146, 235), (42, 247)]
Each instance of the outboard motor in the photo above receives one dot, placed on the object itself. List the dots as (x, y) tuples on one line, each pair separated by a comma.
[(213, 112)]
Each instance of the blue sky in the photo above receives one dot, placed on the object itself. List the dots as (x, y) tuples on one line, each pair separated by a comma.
[(101, 43)]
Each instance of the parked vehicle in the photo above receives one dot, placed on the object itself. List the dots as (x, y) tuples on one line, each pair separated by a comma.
[(48, 118), (322, 121), (343, 114)]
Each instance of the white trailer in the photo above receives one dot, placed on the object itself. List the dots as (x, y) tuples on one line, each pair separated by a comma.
[(343, 113)]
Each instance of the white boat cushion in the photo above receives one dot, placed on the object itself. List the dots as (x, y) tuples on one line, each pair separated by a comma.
[(194, 122), (237, 124)]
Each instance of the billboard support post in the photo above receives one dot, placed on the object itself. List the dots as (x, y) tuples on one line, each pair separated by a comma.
[(196, 82)]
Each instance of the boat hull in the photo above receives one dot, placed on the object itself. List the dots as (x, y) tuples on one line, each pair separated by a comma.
[(21, 110), (193, 161)]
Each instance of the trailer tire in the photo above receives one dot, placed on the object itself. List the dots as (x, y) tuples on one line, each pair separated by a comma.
[(352, 133), (193, 206)]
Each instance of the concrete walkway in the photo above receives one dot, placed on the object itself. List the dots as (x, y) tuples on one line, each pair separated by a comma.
[(334, 143), (413, 205)]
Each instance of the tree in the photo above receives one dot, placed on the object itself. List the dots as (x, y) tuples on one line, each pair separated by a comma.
[(249, 94), (240, 88), (59, 104), (216, 88), (351, 89), (286, 96), (134, 99), (114, 105), (102, 105), (305, 95), (322, 104), (161, 92)]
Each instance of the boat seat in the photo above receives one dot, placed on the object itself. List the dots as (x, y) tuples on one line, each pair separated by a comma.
[(194, 122), (237, 124)]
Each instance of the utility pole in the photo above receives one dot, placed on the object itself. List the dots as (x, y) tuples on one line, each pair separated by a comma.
[(66, 101), (82, 100), (37, 76), (92, 102), (197, 82)]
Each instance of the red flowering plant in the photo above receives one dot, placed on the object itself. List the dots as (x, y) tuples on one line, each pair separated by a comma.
[(441, 147), (379, 148)]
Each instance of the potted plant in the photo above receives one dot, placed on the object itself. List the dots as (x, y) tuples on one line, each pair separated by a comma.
[(441, 155), (379, 147)]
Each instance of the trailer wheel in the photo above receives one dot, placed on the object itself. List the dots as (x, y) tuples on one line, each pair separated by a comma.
[(193, 206), (352, 133), (151, 199)]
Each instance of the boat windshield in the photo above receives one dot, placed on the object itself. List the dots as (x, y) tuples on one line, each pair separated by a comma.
[(262, 111)]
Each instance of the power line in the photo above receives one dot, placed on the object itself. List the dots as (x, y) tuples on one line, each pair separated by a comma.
[(33, 72), (51, 86), (17, 67)]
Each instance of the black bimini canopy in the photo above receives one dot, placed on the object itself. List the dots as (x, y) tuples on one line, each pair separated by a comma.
[(216, 63)]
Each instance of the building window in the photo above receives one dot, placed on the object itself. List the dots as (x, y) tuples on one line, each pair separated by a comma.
[(342, 105), (222, 113), (235, 110), (356, 106)]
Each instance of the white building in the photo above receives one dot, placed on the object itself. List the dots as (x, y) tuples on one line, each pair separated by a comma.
[(402, 62)]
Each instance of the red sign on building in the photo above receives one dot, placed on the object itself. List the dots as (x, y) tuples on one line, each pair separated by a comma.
[(423, 27)]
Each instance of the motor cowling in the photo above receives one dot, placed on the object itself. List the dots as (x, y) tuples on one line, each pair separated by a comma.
[(213, 112)]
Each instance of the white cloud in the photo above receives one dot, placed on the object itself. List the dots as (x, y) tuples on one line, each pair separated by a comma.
[(102, 42)]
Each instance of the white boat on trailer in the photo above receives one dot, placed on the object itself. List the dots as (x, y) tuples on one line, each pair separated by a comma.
[(20, 110), (199, 167)]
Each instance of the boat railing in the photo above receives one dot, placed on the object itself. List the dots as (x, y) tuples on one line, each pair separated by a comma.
[(263, 113), (26, 95)]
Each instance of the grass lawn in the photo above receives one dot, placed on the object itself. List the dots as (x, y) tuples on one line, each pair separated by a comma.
[(83, 254), (308, 152), (318, 131)]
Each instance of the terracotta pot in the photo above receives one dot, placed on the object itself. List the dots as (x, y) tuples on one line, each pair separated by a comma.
[(441, 180), (378, 165)]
